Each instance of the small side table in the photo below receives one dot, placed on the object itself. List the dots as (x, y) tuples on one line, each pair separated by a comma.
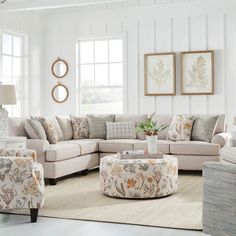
[(13, 142)]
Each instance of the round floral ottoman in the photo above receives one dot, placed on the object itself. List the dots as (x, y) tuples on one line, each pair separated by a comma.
[(138, 178)]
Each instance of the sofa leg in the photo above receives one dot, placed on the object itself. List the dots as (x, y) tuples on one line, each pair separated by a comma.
[(53, 181), (84, 172), (34, 214)]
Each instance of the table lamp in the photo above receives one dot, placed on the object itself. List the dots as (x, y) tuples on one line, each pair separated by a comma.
[(7, 97)]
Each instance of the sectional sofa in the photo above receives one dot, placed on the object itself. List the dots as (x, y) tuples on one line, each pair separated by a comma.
[(71, 156)]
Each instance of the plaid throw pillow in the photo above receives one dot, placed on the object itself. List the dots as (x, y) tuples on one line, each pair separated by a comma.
[(120, 130)]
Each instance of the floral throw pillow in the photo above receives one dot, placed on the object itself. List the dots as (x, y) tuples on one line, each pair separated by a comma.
[(50, 131), (80, 127), (180, 128)]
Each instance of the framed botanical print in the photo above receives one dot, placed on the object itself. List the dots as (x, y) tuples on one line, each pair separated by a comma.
[(159, 74), (197, 72)]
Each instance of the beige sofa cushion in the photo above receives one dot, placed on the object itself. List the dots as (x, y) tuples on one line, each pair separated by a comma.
[(194, 148), (163, 120), (86, 145), (16, 127), (162, 146), (117, 145), (62, 151)]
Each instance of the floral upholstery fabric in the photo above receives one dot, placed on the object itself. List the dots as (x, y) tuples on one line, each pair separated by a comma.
[(50, 131), (180, 128), (21, 180), (140, 178), (18, 153), (80, 127)]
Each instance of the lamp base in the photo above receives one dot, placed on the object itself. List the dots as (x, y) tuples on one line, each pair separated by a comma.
[(3, 123)]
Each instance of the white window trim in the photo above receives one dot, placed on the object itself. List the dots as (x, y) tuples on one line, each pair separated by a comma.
[(25, 81), (95, 37)]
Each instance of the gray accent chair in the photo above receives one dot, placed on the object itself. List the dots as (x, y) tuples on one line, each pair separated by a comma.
[(219, 195)]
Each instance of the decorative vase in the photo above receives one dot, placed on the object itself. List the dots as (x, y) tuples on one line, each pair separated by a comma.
[(152, 144)]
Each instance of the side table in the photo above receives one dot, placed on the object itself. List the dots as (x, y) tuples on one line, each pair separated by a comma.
[(13, 142)]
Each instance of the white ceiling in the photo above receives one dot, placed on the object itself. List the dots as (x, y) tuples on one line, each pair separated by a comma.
[(35, 5)]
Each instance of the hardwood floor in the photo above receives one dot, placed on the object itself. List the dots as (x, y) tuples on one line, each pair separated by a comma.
[(11, 225)]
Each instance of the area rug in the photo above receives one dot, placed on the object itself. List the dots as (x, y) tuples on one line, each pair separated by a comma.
[(80, 198)]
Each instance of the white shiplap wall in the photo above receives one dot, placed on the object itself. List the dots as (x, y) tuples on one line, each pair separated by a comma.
[(177, 26), (27, 24)]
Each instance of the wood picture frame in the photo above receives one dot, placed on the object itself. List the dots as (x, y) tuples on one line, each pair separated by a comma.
[(159, 74), (197, 72)]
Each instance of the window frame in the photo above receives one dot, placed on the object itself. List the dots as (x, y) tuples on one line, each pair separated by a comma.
[(24, 66), (102, 37)]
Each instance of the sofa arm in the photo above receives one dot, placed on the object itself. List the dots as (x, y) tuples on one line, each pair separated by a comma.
[(40, 146), (223, 139)]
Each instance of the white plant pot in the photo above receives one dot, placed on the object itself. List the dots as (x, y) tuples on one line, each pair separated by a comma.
[(152, 144)]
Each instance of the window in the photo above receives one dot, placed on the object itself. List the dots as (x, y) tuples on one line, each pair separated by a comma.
[(12, 68), (101, 80)]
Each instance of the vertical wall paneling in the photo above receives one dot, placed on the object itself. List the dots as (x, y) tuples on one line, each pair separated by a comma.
[(163, 43), (197, 42), (150, 26), (216, 43), (131, 27), (180, 43), (146, 45)]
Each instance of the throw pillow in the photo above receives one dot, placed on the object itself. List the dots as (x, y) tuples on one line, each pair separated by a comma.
[(133, 118), (204, 128), (80, 127), (120, 130), (97, 125), (50, 130), (180, 128), (66, 126), (52, 120), (35, 129)]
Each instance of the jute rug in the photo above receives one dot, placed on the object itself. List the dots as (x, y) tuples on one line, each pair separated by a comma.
[(80, 198)]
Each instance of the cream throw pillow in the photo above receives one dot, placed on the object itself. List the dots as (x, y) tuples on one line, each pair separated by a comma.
[(180, 128)]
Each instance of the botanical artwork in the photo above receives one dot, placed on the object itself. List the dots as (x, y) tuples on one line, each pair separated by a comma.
[(197, 68), (159, 74)]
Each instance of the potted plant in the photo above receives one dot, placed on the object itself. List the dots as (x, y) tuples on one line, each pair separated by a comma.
[(149, 127)]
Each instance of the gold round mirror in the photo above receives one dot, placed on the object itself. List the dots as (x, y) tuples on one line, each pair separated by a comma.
[(59, 68), (60, 93)]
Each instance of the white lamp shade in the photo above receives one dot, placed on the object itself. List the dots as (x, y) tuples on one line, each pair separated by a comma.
[(7, 95)]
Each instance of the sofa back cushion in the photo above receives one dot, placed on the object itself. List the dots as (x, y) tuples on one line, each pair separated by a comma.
[(133, 118), (97, 125), (163, 120), (66, 126), (167, 119), (120, 130), (16, 127)]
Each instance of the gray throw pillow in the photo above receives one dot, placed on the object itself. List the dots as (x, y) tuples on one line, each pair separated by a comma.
[(120, 130), (204, 128), (97, 125), (35, 129)]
